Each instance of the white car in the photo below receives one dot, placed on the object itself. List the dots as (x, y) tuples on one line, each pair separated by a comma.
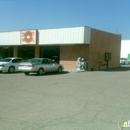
[(40, 66), (124, 61), (10, 64)]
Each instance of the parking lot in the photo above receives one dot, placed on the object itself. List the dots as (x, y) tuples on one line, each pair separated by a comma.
[(91, 100)]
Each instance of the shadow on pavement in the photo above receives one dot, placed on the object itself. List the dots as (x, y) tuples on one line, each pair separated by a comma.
[(120, 69), (17, 72), (48, 74), (35, 74)]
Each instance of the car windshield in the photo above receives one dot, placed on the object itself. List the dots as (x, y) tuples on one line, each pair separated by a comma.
[(6, 60), (34, 60)]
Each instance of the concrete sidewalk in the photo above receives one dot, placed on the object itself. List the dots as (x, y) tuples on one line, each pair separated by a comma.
[(121, 68)]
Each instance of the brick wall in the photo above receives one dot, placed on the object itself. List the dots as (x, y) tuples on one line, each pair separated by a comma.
[(37, 51), (15, 51), (70, 53), (102, 42)]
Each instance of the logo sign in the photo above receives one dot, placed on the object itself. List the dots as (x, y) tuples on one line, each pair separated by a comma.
[(28, 37), (123, 124)]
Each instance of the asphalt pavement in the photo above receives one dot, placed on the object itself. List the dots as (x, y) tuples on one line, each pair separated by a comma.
[(90, 100)]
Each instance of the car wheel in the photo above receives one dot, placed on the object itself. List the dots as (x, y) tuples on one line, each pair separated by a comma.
[(40, 71), (0, 71), (59, 70), (26, 73), (11, 69)]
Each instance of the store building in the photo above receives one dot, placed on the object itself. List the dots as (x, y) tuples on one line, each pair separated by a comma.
[(64, 45), (125, 49)]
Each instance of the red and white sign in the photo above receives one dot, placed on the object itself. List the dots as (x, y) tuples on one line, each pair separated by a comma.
[(28, 37)]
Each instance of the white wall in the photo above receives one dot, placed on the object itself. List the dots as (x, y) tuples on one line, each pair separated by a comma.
[(10, 38), (87, 35), (73, 35), (125, 48)]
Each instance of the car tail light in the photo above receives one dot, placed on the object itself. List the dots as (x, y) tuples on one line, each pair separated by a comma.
[(30, 65), (20, 65)]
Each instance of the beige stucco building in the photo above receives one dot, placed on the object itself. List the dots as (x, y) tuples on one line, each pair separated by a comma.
[(64, 45)]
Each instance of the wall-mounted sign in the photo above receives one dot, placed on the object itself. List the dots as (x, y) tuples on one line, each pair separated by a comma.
[(6, 47), (107, 56), (28, 37)]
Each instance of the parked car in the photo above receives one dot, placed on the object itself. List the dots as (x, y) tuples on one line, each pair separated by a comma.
[(10, 64), (40, 66), (127, 62), (124, 61)]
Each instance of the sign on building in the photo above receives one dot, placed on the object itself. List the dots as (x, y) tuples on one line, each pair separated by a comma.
[(28, 37)]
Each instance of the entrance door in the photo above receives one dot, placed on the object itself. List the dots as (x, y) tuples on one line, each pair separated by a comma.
[(51, 52)]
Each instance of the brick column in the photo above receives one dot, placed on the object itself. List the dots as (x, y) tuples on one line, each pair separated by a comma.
[(37, 51), (15, 51)]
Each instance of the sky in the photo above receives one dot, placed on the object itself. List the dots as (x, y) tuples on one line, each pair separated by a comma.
[(108, 15)]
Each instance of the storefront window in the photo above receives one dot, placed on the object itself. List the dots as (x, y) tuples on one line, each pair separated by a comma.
[(51, 52), (26, 52), (6, 51)]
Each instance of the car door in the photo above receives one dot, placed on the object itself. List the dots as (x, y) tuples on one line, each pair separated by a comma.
[(53, 65), (15, 62), (46, 65)]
